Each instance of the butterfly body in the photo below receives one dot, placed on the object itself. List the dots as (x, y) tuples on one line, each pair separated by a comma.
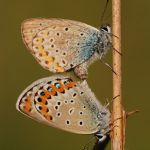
[(69, 105), (60, 44)]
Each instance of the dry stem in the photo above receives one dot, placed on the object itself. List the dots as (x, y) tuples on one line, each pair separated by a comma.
[(118, 133)]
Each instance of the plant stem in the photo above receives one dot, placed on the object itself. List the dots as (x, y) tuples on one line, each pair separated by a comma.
[(118, 132)]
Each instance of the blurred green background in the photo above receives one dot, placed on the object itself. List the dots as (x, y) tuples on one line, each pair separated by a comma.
[(19, 69)]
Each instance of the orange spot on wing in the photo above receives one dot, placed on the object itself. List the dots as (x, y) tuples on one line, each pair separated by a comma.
[(47, 94), (58, 68), (70, 85), (61, 89), (48, 117), (27, 105), (44, 109), (54, 91), (43, 99)]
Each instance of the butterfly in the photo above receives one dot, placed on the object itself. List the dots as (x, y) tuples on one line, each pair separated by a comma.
[(60, 45), (63, 103)]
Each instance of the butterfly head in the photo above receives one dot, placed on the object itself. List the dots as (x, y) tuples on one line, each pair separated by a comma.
[(105, 40), (101, 137), (106, 28), (104, 120)]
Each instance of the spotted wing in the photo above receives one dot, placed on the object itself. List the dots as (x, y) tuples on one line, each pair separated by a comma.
[(62, 103), (59, 44)]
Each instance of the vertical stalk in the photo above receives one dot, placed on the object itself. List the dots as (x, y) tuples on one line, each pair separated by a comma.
[(118, 114)]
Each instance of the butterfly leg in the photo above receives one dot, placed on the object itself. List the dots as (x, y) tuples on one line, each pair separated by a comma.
[(81, 71)]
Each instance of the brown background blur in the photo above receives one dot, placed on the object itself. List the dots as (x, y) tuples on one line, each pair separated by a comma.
[(18, 69)]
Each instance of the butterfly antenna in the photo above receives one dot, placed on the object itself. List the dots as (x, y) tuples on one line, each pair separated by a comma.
[(109, 102), (110, 67), (105, 8), (86, 146)]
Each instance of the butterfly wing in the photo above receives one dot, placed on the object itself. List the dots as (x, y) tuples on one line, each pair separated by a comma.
[(62, 103), (59, 44)]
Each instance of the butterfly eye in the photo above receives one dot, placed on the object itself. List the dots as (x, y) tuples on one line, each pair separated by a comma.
[(100, 136), (106, 29)]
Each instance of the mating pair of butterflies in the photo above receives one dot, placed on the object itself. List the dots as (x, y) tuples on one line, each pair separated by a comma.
[(60, 45)]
